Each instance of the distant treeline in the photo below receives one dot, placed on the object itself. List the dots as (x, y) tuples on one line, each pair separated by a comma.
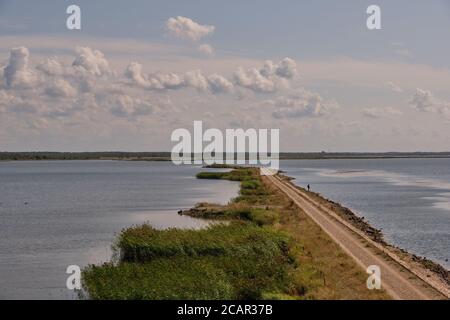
[(84, 155), (362, 155), (165, 156)]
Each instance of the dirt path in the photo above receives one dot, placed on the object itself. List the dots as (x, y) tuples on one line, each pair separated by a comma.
[(397, 279)]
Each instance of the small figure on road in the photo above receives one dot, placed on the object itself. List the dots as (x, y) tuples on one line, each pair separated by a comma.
[(309, 187)]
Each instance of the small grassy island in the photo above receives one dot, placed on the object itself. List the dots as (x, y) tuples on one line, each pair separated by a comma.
[(260, 247)]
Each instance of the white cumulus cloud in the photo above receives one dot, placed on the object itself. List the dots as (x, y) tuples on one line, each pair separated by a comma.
[(88, 89), (253, 79), (61, 88), (302, 104), (188, 29), (16, 73), (51, 67), (92, 61), (219, 84), (196, 80), (134, 73), (269, 78)]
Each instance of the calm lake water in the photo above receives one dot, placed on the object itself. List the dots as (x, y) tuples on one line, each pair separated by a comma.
[(59, 213), (409, 199)]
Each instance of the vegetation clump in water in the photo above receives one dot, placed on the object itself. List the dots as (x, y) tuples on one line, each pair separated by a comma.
[(245, 258), (262, 247)]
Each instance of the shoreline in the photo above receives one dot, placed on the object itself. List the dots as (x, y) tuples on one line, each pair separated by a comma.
[(166, 156), (374, 233), (306, 264), (364, 226), (422, 267), (243, 258), (412, 261), (319, 264)]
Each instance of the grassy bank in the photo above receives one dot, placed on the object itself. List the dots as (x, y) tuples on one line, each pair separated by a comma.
[(266, 249), (235, 261), (245, 258)]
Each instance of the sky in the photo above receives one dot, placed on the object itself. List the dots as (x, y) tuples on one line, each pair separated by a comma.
[(137, 70)]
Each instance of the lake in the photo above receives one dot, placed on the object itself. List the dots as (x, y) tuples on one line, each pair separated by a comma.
[(59, 213), (409, 199)]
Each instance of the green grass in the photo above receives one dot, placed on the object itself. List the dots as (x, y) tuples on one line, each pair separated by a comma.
[(160, 279), (234, 261), (144, 243), (234, 175), (245, 258), (211, 175), (252, 191), (259, 216)]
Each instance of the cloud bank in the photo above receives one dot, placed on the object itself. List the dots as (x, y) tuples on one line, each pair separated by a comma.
[(256, 80), (87, 86)]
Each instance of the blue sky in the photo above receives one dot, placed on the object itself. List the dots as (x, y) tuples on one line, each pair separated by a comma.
[(380, 90), (302, 29)]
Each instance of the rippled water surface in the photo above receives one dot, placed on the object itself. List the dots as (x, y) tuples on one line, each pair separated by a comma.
[(409, 199), (59, 213)]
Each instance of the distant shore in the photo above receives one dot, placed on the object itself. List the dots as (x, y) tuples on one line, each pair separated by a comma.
[(166, 156)]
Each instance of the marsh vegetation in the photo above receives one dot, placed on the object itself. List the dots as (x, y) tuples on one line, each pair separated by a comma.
[(261, 246)]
